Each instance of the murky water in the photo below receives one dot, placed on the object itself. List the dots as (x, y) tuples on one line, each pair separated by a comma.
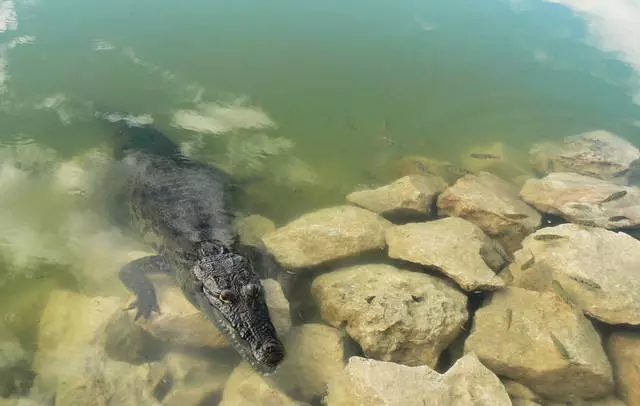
[(304, 100)]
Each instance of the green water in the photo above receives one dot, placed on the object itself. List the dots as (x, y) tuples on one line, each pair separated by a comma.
[(351, 86)]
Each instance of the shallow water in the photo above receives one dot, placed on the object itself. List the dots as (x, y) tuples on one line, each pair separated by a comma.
[(307, 99)]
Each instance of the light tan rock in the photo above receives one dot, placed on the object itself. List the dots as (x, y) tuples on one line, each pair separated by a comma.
[(624, 350), (411, 196), (252, 228), (452, 245), (315, 354), (579, 199), (377, 383), (394, 314), (596, 269), (340, 231), (538, 339), (598, 154), (493, 205), (246, 387), (278, 305)]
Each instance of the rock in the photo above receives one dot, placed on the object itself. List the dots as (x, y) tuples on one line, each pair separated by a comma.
[(79, 175), (499, 159), (341, 231), (596, 269), (519, 393), (410, 197), (179, 322), (624, 350), (394, 314), (452, 245), (278, 306), (128, 342), (579, 198), (418, 165), (538, 339), (598, 154), (315, 354), (252, 228), (16, 376), (246, 387), (369, 382), (195, 378), (71, 361), (493, 205)]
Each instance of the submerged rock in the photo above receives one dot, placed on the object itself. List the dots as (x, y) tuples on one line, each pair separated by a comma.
[(326, 235), (71, 361), (377, 383), (419, 165), (599, 154), (395, 315), (493, 205), (499, 159), (247, 387), (252, 228), (595, 269), (315, 354), (624, 350), (180, 323), (584, 200), (452, 245), (538, 339), (16, 376), (411, 196)]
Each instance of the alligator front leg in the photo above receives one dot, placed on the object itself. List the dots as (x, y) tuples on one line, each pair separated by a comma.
[(134, 276)]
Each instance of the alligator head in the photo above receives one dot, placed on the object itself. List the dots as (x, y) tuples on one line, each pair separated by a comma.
[(232, 297)]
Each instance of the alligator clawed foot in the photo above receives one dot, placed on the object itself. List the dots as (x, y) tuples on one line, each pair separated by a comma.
[(144, 306)]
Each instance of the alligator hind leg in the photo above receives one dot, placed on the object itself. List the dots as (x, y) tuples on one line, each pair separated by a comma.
[(134, 276)]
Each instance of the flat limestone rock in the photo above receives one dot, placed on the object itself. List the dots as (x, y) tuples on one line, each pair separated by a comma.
[(493, 205), (378, 383), (394, 314), (409, 196), (245, 387), (325, 235), (598, 154), (315, 354), (541, 341), (452, 245), (624, 350), (583, 200), (596, 269)]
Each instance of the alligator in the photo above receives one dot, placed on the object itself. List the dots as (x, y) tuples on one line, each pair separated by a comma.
[(182, 208)]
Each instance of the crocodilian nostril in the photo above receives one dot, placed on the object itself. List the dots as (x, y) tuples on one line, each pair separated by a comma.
[(271, 353)]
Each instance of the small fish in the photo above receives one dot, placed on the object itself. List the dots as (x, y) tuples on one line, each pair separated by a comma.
[(484, 156), (615, 196), (352, 126), (515, 216), (551, 166), (560, 347), (509, 318), (370, 299), (549, 237), (580, 206), (456, 170), (587, 223), (621, 173), (417, 298), (618, 218), (586, 282), (529, 263), (388, 140), (559, 290), (422, 167), (385, 124)]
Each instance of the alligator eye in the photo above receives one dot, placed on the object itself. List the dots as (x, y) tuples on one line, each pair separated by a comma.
[(226, 296)]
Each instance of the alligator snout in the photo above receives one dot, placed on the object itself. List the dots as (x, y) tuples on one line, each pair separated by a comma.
[(270, 354)]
